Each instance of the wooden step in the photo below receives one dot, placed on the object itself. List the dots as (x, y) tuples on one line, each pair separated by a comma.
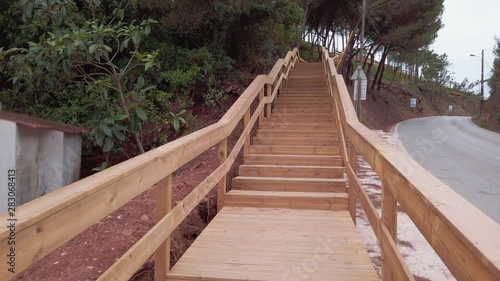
[(295, 150), (301, 110), (294, 200), (304, 115), (320, 98), (297, 126), (327, 172), (305, 91), (298, 133), (292, 160), (288, 184), (286, 118), (296, 141), (305, 105)]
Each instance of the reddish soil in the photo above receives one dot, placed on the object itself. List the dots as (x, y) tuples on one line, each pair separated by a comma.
[(383, 109)]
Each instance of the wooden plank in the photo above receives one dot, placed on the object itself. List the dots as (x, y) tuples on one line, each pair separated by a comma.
[(163, 206), (221, 186), (297, 200), (293, 160), (267, 244), (389, 211), (291, 171), (305, 133), (261, 100), (295, 150), (288, 184), (246, 120), (297, 126), (296, 141)]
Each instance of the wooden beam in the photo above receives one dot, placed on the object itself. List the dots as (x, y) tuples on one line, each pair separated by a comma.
[(221, 186), (163, 206), (261, 100), (246, 120), (389, 211), (269, 92)]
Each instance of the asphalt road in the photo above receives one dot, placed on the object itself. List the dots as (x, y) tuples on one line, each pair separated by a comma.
[(459, 153)]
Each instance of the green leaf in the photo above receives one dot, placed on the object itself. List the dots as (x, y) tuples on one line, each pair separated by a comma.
[(182, 120), (92, 48), (176, 125), (121, 117), (147, 30), (99, 138), (182, 112), (140, 82), (134, 125), (136, 38), (141, 114), (108, 145), (106, 130), (119, 135)]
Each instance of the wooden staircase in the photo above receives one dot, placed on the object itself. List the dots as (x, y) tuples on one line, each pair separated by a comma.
[(295, 160)]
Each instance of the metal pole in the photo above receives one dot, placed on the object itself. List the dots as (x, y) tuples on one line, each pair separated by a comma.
[(361, 43), (482, 84)]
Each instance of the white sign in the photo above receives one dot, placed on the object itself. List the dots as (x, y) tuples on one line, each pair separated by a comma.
[(413, 102), (359, 73), (363, 89), (450, 107)]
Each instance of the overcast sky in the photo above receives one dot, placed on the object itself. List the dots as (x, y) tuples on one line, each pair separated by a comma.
[(469, 27)]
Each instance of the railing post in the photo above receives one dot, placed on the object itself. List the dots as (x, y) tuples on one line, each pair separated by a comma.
[(163, 206), (389, 219), (269, 105), (389, 210), (246, 120), (221, 186), (351, 194), (261, 98)]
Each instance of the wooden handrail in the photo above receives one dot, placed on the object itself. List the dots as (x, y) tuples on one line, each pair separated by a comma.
[(50, 221), (466, 239)]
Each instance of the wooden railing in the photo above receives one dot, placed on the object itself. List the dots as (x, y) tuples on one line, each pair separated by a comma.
[(465, 239), (48, 222)]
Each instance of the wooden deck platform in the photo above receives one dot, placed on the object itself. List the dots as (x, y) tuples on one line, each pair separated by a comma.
[(276, 244)]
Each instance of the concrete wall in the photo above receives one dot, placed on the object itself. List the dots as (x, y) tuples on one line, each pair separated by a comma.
[(72, 158), (7, 158), (27, 159), (45, 160), (50, 163)]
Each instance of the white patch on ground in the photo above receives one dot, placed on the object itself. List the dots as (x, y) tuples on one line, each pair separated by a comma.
[(421, 259)]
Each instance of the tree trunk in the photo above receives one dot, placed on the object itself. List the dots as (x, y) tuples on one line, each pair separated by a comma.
[(303, 26), (379, 69), (370, 65), (394, 76), (382, 62), (367, 55)]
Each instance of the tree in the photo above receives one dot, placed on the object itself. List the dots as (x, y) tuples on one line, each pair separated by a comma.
[(101, 55)]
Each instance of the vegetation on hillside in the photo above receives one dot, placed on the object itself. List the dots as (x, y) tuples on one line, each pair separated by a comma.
[(491, 116), (132, 71)]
